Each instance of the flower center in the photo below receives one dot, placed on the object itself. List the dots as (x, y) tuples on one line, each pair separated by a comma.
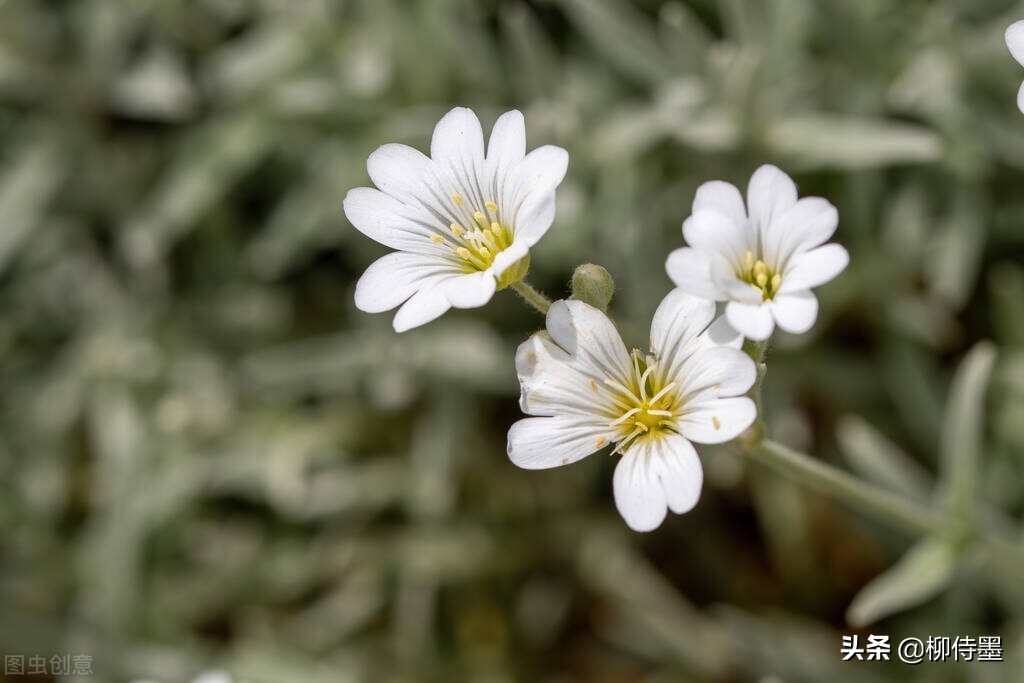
[(480, 237), (648, 408), (756, 272)]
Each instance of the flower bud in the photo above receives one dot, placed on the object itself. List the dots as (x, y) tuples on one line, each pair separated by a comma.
[(594, 285)]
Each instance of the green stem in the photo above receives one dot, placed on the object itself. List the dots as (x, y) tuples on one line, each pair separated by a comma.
[(532, 296), (917, 518), (837, 484), (757, 352)]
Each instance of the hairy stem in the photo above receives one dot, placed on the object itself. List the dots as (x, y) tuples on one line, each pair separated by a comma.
[(917, 518), (837, 484), (532, 296)]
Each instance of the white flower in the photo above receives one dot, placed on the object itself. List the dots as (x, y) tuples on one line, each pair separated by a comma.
[(763, 259), (1015, 41), (462, 222), (589, 392)]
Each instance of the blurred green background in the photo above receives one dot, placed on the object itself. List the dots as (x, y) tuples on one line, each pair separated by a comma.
[(208, 457)]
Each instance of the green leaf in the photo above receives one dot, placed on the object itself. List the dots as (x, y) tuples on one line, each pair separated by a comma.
[(919, 576), (962, 439)]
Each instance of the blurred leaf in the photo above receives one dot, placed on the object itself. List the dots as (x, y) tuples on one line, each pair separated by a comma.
[(962, 443), (874, 456), (815, 141), (919, 575)]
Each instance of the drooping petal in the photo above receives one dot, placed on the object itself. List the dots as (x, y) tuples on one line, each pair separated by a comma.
[(515, 251), (393, 278), (716, 371), (385, 219), (471, 290), (814, 267), (554, 383), (807, 224), (587, 334), (678, 322), (690, 270), (717, 420), (795, 312), (534, 217), (1015, 40), (722, 197), (425, 305), (654, 475), (715, 233), (769, 194), (1020, 98), (753, 321), (538, 443)]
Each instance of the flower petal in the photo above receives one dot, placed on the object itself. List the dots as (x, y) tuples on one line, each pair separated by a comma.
[(795, 312), (715, 372), (753, 321), (654, 475), (534, 217), (400, 171), (770, 193), (542, 170), (587, 334), (721, 333), (515, 251), (471, 290), (556, 383), (678, 322), (716, 233), (385, 219), (458, 142), (425, 305), (806, 225), (507, 144), (722, 197), (814, 267), (1015, 40), (690, 270), (717, 420), (1020, 98), (393, 278), (537, 443)]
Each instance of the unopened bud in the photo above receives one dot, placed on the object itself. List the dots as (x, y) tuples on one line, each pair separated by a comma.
[(594, 285)]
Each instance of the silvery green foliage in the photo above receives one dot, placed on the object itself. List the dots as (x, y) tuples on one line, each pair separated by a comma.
[(210, 459)]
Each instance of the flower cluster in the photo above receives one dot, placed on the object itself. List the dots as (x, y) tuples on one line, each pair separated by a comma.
[(462, 222)]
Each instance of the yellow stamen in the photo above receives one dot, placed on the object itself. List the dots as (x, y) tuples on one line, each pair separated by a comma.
[(716, 422), (776, 282), (761, 279), (491, 206), (485, 252), (457, 230), (748, 260), (464, 253), (436, 239), (760, 267), (479, 217), (593, 385), (600, 442), (457, 198), (488, 235)]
